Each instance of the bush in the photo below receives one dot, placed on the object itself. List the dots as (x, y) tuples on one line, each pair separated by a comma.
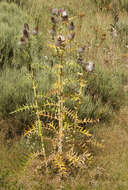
[(123, 31), (16, 91), (124, 4), (102, 95), (12, 19), (107, 86)]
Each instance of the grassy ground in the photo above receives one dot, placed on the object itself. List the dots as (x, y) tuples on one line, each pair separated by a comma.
[(108, 171)]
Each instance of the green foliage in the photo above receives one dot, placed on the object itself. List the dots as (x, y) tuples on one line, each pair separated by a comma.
[(12, 19), (16, 90), (107, 86), (124, 4), (103, 92), (123, 31)]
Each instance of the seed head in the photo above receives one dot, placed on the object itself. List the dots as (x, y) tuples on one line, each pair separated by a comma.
[(54, 20), (22, 41), (35, 31), (71, 36), (60, 11), (54, 11), (59, 40), (64, 16), (114, 33), (81, 49), (26, 33), (89, 66), (80, 60), (26, 26), (71, 26)]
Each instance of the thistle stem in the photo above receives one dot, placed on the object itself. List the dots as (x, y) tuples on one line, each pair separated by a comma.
[(39, 126), (60, 105)]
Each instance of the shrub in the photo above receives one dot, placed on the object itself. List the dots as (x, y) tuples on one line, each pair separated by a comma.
[(123, 31), (102, 94), (12, 19), (107, 86), (17, 88), (124, 4)]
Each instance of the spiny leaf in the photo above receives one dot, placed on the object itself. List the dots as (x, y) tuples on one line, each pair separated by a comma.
[(53, 91), (45, 114), (24, 108), (71, 113), (30, 131)]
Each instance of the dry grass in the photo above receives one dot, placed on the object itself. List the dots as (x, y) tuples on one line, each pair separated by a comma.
[(114, 156)]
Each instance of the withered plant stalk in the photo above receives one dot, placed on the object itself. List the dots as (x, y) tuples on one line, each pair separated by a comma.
[(60, 102), (38, 122)]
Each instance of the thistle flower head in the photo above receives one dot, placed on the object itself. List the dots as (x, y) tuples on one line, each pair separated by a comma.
[(54, 11), (22, 41), (60, 10), (80, 60), (59, 40), (25, 33), (71, 26), (71, 36), (81, 49), (35, 31), (64, 16), (54, 20), (26, 26), (89, 66)]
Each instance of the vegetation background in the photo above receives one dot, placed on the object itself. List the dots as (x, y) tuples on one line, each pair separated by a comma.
[(105, 96)]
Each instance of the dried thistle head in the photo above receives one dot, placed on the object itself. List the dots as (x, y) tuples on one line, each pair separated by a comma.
[(22, 41), (55, 11), (80, 60), (64, 16), (71, 36), (89, 66), (113, 31), (59, 40), (54, 20), (26, 33), (71, 26), (35, 31), (26, 26), (81, 49)]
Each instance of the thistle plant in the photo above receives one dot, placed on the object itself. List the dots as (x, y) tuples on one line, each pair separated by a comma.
[(68, 119), (25, 42), (56, 123)]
